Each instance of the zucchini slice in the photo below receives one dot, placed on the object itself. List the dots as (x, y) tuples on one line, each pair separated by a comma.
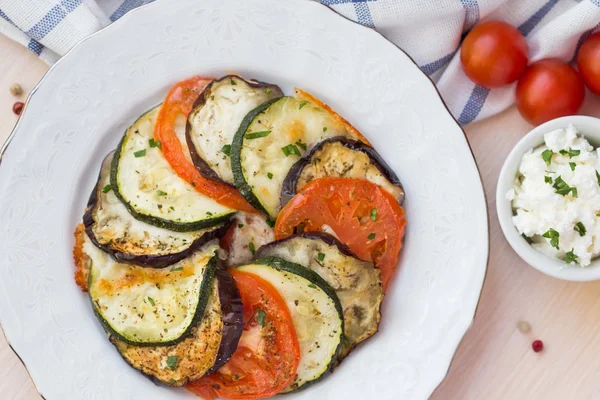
[(111, 228), (216, 116), (148, 306), (345, 158), (316, 313), (272, 138), (152, 192), (185, 361), (357, 283)]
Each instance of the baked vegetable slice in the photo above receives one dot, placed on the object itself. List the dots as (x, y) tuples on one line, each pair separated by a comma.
[(357, 283), (111, 228), (272, 138), (232, 313), (316, 313), (215, 118), (148, 306), (345, 158), (188, 360), (152, 192)]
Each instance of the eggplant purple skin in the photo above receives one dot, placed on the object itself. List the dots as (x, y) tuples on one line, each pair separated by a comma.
[(326, 238), (288, 188), (232, 311), (146, 260), (201, 165)]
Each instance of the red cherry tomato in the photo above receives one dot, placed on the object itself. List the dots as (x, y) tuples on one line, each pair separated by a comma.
[(549, 89), (588, 62), (494, 54)]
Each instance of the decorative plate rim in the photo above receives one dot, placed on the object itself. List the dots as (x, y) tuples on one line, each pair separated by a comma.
[(131, 14)]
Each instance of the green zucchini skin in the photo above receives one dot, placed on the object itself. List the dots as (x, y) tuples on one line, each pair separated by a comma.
[(205, 288), (296, 269), (164, 223), (236, 163)]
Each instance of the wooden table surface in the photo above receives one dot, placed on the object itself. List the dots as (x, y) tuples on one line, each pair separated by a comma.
[(495, 360)]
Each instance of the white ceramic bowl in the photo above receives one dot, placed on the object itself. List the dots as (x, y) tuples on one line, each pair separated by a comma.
[(589, 127)]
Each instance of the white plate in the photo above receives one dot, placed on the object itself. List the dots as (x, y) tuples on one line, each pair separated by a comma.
[(84, 103)]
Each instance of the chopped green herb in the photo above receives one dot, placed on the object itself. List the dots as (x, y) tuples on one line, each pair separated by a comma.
[(209, 213), (106, 188), (268, 91), (161, 193), (324, 129), (301, 145), (257, 135), (176, 269), (563, 188), (171, 208), (251, 247), (140, 153), (570, 257), (579, 228), (233, 82), (553, 236), (270, 222), (154, 143), (572, 165), (260, 317), (172, 381), (598, 178), (302, 105), (312, 286), (371, 236), (374, 215), (571, 153), (212, 97), (548, 179), (321, 256), (290, 149), (240, 226), (269, 175), (151, 300), (172, 362), (547, 156), (226, 149)]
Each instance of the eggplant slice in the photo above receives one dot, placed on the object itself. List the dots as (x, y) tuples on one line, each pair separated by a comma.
[(272, 138), (232, 313), (188, 360), (316, 313), (357, 283), (111, 228), (152, 192), (246, 235), (345, 158), (216, 116), (148, 306)]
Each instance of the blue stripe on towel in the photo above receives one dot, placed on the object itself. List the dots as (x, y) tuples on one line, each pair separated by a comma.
[(526, 27), (52, 18), (35, 46), (471, 13), (434, 66), (474, 105), (363, 14), (127, 6)]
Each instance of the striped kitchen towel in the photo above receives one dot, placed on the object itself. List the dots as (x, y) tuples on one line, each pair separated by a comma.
[(430, 31)]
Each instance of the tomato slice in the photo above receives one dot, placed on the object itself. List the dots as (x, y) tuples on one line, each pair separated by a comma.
[(179, 102), (268, 354), (363, 216)]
